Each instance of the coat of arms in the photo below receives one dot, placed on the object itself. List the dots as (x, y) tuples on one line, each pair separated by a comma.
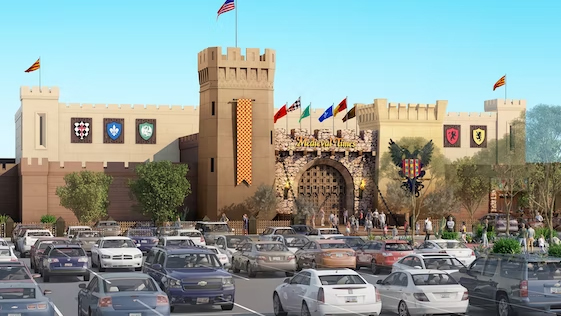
[(478, 135), (452, 135), (114, 130), (146, 130), (411, 165), (81, 129)]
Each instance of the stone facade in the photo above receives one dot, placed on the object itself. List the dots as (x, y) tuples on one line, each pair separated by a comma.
[(298, 150)]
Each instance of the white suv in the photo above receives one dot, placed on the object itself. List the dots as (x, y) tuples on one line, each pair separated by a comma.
[(29, 239)]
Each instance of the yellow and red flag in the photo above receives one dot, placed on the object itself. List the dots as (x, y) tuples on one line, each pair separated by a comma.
[(501, 82), (36, 65), (340, 107)]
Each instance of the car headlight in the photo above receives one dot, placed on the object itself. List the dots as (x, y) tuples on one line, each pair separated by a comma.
[(105, 256), (138, 256), (174, 283), (227, 281)]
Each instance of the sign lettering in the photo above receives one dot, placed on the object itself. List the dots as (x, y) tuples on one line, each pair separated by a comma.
[(325, 143)]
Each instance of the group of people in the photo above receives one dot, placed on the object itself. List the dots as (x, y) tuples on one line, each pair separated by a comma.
[(353, 222), (526, 237)]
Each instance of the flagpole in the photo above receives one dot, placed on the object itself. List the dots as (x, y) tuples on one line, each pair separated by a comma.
[(286, 117), (40, 66), (347, 108), (310, 132), (236, 28), (300, 121), (505, 87), (356, 120), (333, 117)]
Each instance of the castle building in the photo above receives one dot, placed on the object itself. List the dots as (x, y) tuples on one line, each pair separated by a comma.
[(229, 142)]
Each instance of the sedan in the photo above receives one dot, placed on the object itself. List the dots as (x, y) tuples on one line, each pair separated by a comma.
[(326, 253), (326, 292), (264, 256), (144, 238), (132, 294), (451, 247), (7, 254), (421, 292), (442, 262), (87, 239), (20, 298), (222, 256)]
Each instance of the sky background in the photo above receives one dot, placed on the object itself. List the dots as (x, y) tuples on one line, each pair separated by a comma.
[(145, 52)]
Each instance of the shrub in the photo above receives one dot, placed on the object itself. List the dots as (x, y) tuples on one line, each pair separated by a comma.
[(450, 235), (507, 246), (554, 251), (4, 219), (544, 231), (48, 219)]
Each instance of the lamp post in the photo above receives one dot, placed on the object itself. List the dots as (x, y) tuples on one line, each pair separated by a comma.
[(361, 188), (286, 190)]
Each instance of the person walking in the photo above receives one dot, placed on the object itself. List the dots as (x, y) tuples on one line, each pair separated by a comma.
[(245, 224), (224, 218), (382, 219), (348, 228), (484, 233), (368, 227), (464, 232), (314, 220), (428, 228), (345, 216), (523, 237), (406, 228), (531, 236), (541, 243), (385, 231), (321, 217), (450, 224), (394, 232), (376, 217)]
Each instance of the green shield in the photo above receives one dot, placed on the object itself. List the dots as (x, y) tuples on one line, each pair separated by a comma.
[(146, 130)]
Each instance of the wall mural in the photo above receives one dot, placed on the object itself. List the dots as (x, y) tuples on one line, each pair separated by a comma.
[(478, 136), (113, 131), (452, 136), (81, 130), (145, 131)]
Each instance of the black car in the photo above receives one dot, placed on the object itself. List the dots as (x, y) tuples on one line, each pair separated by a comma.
[(302, 229)]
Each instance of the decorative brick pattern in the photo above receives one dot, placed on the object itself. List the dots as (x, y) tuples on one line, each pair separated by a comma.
[(113, 131), (478, 136), (452, 136), (81, 130), (244, 134), (145, 131)]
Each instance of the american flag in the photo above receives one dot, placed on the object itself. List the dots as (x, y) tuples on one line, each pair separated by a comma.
[(229, 5), (295, 106)]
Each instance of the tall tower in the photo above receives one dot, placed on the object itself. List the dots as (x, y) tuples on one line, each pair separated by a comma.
[(236, 150)]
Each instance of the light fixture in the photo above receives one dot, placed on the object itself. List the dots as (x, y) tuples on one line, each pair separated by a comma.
[(361, 188)]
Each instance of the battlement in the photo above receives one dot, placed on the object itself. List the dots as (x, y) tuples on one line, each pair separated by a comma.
[(213, 57), (384, 111), (189, 138), (505, 105), (467, 115), (186, 110), (43, 93)]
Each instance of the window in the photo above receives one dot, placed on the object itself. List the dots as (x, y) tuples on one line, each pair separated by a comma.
[(433, 279), (271, 137), (211, 164), (550, 270), (402, 280), (151, 256), (297, 279), (67, 252), (490, 267), (398, 247), (333, 246), (443, 263), (92, 287), (390, 279), (271, 247), (130, 285), (161, 258), (477, 266), (41, 129), (192, 260), (212, 108), (339, 279)]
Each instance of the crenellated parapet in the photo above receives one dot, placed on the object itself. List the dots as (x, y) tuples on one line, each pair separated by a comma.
[(471, 115), (130, 108), (382, 111), (188, 141), (43, 93), (43, 167), (497, 105)]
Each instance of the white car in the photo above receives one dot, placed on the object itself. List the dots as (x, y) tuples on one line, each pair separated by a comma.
[(29, 239), (429, 261), (195, 235), (177, 241), (292, 242), (326, 292), (451, 247), (7, 254), (324, 233), (71, 230), (420, 292), (222, 256), (116, 252), (230, 243), (269, 232)]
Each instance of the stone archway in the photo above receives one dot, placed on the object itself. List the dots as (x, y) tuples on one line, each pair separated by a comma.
[(328, 183)]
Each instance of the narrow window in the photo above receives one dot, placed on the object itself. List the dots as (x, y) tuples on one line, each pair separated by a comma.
[(211, 164), (271, 137), (511, 134), (41, 134), (212, 108)]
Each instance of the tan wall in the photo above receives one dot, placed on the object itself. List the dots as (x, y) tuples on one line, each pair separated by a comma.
[(9, 190)]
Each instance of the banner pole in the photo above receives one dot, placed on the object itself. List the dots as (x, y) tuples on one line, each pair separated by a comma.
[(285, 106), (356, 120), (236, 27), (40, 66), (299, 120), (505, 87), (310, 118)]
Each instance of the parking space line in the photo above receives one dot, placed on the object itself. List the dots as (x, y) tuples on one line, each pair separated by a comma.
[(57, 311), (239, 276), (249, 309)]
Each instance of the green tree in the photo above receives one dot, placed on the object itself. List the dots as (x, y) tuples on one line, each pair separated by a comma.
[(263, 203), (85, 193), (440, 202), (543, 187), (159, 189), (304, 208), (471, 183), (396, 197)]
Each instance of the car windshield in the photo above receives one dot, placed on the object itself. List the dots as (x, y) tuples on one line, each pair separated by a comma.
[(215, 228), (15, 293), (46, 243), (89, 234), (38, 234), (295, 242), (328, 232), (398, 247), (340, 279), (107, 224), (14, 273), (353, 242), (118, 243), (233, 242), (433, 279), (190, 233), (130, 285), (300, 229), (443, 263), (67, 252), (270, 247), (141, 232), (5, 253), (284, 231), (192, 260), (333, 246), (451, 245), (214, 250), (180, 242)]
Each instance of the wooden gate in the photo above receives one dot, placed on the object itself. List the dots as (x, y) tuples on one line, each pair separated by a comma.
[(325, 187)]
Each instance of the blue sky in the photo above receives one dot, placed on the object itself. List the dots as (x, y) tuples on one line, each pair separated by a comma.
[(144, 52)]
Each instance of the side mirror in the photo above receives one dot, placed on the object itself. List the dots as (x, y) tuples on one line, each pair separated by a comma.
[(380, 282), (157, 266), (35, 276), (95, 245), (417, 267), (45, 292), (221, 246), (138, 245), (463, 270), (82, 285), (286, 280)]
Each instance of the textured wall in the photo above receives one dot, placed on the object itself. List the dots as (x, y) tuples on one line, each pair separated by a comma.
[(9, 193)]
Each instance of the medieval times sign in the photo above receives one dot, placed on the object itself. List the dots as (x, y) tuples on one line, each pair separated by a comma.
[(325, 143)]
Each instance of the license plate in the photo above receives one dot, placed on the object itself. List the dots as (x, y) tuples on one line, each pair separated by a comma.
[(445, 295), (144, 241), (135, 314), (339, 255), (202, 300), (276, 258), (68, 264), (555, 290), (14, 314), (351, 299)]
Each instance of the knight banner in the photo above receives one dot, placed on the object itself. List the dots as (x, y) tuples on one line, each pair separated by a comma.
[(244, 135)]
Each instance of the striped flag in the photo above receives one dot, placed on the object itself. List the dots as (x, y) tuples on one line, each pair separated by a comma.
[(229, 5), (340, 107), (501, 82), (350, 115), (36, 65), (295, 106)]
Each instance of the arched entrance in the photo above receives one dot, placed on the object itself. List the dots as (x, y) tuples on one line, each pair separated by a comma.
[(328, 184)]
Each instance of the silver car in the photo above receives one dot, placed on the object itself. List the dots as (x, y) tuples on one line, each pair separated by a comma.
[(264, 256), (87, 238)]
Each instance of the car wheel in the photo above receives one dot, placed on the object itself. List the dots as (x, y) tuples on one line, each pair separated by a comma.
[(138, 269), (249, 270), (277, 306), (86, 277), (235, 268), (503, 306), (228, 307), (313, 265), (374, 267), (402, 309), (99, 267), (305, 311)]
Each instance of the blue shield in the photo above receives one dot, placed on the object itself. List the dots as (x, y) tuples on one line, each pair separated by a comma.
[(114, 130)]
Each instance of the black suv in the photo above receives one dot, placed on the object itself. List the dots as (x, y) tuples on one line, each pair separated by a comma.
[(513, 284)]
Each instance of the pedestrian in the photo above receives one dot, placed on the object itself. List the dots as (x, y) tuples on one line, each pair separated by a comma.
[(523, 237), (394, 232), (376, 216), (539, 218), (417, 228), (322, 217), (450, 224), (178, 222), (382, 219), (464, 232), (531, 236), (484, 233), (348, 225), (224, 218), (314, 220), (345, 216), (245, 224), (336, 222), (541, 243), (368, 227), (385, 231), (428, 228), (332, 219), (406, 228)]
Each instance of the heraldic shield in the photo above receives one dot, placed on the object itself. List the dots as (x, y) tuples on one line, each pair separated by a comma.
[(146, 130), (114, 130), (452, 135), (478, 136), (411, 168)]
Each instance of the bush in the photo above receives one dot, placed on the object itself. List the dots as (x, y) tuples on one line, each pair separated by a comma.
[(48, 219), (554, 251), (544, 231), (4, 219), (507, 246), (450, 235)]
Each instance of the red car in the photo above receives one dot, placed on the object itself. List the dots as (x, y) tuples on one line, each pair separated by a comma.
[(378, 255)]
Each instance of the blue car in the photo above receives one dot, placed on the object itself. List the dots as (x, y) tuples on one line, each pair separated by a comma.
[(24, 298), (63, 260), (118, 294), (191, 276), (145, 238)]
